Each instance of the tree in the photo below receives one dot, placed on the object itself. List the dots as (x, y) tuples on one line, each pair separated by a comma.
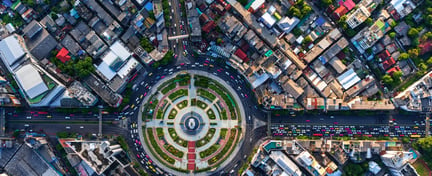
[(306, 10), (422, 66), (353, 170), (424, 145), (393, 24), (295, 12), (397, 75), (403, 56), (342, 19), (369, 21), (387, 79), (413, 53), (219, 41), (243, 2), (427, 36), (413, 32), (392, 35), (307, 40), (326, 2), (429, 61)]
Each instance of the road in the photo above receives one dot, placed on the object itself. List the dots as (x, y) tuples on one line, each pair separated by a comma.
[(178, 28)]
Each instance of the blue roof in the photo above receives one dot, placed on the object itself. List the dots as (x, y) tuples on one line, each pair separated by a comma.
[(148, 6), (320, 21), (7, 3)]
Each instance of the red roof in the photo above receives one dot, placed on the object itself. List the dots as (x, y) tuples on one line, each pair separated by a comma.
[(384, 55), (63, 55), (349, 4), (241, 55), (388, 63), (209, 26), (392, 70), (342, 10)]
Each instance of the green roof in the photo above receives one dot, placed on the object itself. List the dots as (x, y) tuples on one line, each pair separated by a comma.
[(380, 24)]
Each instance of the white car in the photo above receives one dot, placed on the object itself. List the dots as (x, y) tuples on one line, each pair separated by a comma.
[(67, 117), (26, 125), (81, 127), (28, 117), (68, 127)]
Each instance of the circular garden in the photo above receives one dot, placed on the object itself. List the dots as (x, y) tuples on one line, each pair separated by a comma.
[(191, 124)]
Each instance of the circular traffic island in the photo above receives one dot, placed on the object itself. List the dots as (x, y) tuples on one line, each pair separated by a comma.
[(191, 123)]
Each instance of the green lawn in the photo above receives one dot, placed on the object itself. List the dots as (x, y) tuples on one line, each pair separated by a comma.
[(420, 168), (182, 104), (226, 148), (178, 94), (201, 104), (206, 138), (211, 114), (209, 151), (172, 114), (174, 151), (156, 148), (176, 138), (169, 87), (206, 94)]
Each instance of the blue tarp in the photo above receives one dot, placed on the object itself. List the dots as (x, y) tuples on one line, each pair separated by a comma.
[(7, 3), (148, 6), (320, 21)]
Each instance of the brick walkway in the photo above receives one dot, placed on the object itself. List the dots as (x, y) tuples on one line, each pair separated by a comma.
[(191, 156)]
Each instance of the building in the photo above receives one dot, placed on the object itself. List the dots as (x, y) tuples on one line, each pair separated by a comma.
[(367, 37), (287, 24), (28, 161), (398, 163), (78, 91), (285, 163), (255, 5), (96, 157), (292, 88), (39, 42), (37, 87), (400, 8), (357, 17), (117, 65), (63, 55), (11, 52), (30, 81), (193, 21), (348, 79)]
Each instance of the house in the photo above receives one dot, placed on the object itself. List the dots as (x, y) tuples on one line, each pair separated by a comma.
[(400, 8), (337, 65), (357, 17), (241, 55), (287, 24), (368, 36), (255, 5), (292, 88), (339, 12), (388, 63), (39, 42), (63, 55), (349, 4), (348, 79)]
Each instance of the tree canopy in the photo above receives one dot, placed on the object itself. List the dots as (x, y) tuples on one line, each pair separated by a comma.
[(387, 79), (413, 32), (404, 56)]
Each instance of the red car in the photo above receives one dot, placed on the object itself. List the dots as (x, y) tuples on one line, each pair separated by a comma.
[(138, 156)]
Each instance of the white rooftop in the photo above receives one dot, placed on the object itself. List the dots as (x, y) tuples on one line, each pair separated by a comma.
[(31, 81), (10, 50), (285, 163), (124, 71), (120, 50), (256, 4), (106, 70), (268, 19), (348, 79)]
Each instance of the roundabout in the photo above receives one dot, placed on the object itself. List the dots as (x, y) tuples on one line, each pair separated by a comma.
[(191, 123)]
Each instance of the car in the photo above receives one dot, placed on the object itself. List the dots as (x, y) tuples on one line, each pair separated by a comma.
[(162, 77), (246, 95), (67, 117), (26, 125), (138, 156), (332, 117), (29, 117), (81, 127), (150, 74), (307, 120), (68, 127)]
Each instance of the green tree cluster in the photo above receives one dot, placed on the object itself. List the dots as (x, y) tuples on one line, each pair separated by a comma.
[(165, 60), (80, 68), (146, 44), (300, 9), (352, 169), (424, 146)]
